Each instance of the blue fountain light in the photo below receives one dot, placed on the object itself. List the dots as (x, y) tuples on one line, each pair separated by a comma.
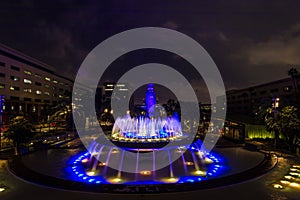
[(78, 172)]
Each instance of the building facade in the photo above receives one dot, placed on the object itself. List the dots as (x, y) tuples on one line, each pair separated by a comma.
[(246, 101), (28, 85)]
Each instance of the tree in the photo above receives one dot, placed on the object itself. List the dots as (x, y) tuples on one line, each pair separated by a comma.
[(285, 122), (290, 126), (20, 132)]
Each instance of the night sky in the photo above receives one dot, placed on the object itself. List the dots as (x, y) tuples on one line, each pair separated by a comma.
[(251, 42)]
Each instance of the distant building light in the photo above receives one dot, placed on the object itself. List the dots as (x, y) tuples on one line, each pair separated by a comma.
[(120, 85), (55, 81), (14, 78), (123, 89), (47, 79), (109, 89), (38, 92), (110, 85), (27, 81), (38, 75), (27, 90), (27, 72)]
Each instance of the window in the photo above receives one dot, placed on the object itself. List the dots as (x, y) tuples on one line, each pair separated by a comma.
[(2, 86), (274, 90), (38, 83), (287, 88), (14, 88), (60, 89), (47, 86), (38, 92), (263, 92), (38, 100), (60, 83), (27, 99), (55, 81), (14, 98), (47, 79), (27, 90), (2, 75), (2, 64), (27, 72), (27, 81), (14, 78), (60, 96), (47, 93), (54, 88), (15, 68), (38, 75)]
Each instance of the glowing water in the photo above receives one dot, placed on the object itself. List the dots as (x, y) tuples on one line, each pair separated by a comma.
[(146, 128)]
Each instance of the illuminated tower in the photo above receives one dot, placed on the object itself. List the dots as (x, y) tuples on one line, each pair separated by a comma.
[(150, 99)]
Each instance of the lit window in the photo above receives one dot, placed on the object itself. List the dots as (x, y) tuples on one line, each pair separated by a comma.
[(60, 83), (55, 81), (27, 72), (47, 79), (47, 93), (60, 96), (287, 88), (38, 92), (27, 90), (38, 75), (47, 86), (14, 88), (27, 81), (14, 78), (2, 86)]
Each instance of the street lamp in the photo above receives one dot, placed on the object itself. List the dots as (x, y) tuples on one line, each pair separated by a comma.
[(275, 106), (1, 111)]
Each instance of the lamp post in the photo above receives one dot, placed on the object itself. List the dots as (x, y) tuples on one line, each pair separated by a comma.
[(275, 106), (1, 111)]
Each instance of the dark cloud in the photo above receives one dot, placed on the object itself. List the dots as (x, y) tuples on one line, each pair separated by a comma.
[(246, 39)]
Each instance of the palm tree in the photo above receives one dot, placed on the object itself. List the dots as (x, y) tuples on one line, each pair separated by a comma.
[(20, 132), (294, 74)]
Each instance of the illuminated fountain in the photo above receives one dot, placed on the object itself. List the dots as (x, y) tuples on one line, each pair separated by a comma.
[(140, 128), (104, 163)]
